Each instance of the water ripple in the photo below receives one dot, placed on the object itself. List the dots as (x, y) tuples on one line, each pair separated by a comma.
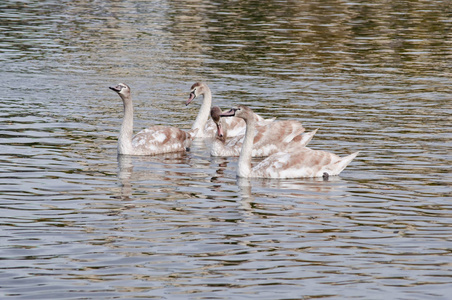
[(79, 222)]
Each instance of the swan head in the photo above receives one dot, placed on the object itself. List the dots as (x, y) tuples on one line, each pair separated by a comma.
[(196, 90), (240, 111), (122, 89), (215, 113)]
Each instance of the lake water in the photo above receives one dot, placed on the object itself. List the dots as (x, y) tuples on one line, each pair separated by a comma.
[(77, 222)]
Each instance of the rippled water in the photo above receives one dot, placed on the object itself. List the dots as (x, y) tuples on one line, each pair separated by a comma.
[(79, 223)]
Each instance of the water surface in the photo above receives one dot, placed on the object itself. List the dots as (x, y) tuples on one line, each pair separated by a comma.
[(77, 222)]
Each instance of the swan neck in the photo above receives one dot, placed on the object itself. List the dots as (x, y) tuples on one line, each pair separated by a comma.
[(126, 131), (204, 111), (244, 164)]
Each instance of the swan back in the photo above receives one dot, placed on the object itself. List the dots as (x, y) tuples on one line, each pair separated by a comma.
[(161, 139), (268, 139), (303, 163)]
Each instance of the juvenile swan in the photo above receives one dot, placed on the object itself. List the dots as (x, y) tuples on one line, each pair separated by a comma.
[(206, 128), (149, 141), (268, 138), (304, 162)]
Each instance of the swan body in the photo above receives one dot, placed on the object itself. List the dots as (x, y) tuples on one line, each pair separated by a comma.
[(303, 162), (150, 141), (206, 127), (268, 138)]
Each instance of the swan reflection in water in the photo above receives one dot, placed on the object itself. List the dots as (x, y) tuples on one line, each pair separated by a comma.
[(161, 171), (183, 176), (288, 193)]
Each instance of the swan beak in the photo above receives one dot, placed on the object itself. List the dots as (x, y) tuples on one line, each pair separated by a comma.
[(190, 99), (117, 88), (229, 113)]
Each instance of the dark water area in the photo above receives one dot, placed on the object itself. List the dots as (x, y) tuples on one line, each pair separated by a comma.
[(78, 222)]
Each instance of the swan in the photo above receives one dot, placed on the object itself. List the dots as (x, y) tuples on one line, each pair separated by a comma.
[(150, 141), (206, 128), (268, 138), (303, 162)]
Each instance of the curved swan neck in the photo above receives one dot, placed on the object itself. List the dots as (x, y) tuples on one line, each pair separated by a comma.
[(126, 131), (244, 164), (204, 111)]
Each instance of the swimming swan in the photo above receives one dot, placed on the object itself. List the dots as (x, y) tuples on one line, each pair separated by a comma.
[(150, 141), (303, 162), (268, 138)]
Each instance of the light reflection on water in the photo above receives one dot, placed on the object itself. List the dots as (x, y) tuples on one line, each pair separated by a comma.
[(78, 222)]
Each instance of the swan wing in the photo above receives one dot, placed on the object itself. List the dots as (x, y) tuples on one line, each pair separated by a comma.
[(161, 139)]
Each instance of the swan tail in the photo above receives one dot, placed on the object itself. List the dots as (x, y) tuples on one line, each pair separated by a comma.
[(307, 137), (294, 136), (301, 141), (192, 133), (340, 165)]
